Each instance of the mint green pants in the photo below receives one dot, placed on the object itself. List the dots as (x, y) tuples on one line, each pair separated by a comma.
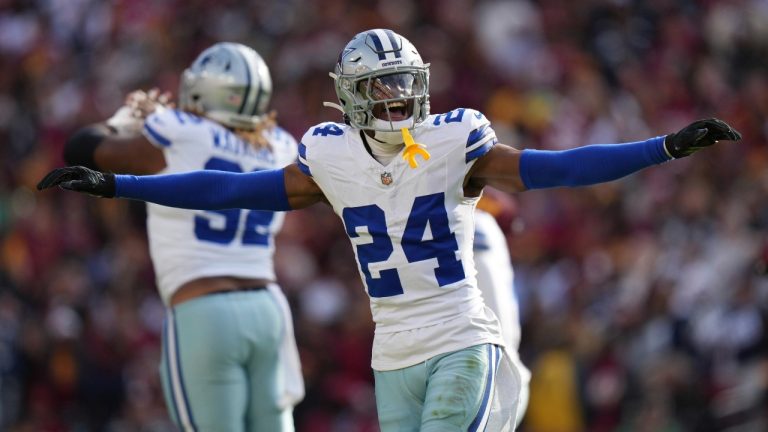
[(449, 392), (220, 368)]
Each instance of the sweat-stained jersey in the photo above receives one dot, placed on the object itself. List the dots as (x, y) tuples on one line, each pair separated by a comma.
[(412, 232), (187, 245)]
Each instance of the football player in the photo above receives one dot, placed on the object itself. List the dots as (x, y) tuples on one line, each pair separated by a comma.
[(495, 277), (405, 184), (229, 359)]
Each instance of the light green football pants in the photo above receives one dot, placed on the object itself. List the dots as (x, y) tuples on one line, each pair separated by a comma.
[(220, 368), (449, 392)]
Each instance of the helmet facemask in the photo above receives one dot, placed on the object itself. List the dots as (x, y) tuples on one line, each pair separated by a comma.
[(382, 90)]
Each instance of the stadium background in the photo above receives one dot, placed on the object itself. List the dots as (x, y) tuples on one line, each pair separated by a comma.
[(643, 301)]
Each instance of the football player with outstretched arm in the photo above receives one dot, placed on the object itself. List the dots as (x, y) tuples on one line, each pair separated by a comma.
[(229, 358), (405, 184)]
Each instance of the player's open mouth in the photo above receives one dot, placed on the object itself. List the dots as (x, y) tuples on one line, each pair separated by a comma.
[(398, 110)]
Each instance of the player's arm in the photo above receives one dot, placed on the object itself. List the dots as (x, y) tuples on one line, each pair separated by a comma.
[(511, 170), (117, 144), (278, 190), (301, 189), (100, 147)]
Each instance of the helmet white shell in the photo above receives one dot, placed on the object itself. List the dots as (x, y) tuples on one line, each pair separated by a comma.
[(373, 54), (228, 83)]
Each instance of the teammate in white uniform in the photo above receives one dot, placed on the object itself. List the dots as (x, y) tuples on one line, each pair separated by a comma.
[(406, 183), (229, 356), (495, 277)]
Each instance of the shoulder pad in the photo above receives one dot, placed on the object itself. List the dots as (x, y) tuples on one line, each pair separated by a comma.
[(327, 129), (459, 116), (481, 137), (472, 125), (164, 127), (283, 143), (315, 136)]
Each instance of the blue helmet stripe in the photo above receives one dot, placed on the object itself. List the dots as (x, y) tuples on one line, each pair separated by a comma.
[(259, 92), (377, 43), (247, 83), (395, 46)]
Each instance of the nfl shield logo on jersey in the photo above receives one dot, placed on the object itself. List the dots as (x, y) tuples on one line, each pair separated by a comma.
[(386, 178)]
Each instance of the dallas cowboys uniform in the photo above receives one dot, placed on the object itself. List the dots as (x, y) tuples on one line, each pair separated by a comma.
[(251, 330), (412, 231), (494, 278)]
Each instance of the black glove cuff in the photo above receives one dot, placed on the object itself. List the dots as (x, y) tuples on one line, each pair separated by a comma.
[(669, 147), (110, 190), (80, 148)]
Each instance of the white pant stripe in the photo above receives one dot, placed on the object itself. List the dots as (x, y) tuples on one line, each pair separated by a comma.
[(494, 356), (177, 384)]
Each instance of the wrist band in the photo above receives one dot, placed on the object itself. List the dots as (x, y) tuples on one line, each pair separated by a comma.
[(81, 147)]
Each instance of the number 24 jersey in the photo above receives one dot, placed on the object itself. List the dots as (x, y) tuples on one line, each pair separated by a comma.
[(412, 232)]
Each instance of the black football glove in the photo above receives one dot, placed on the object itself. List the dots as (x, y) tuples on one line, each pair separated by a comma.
[(697, 135), (80, 179)]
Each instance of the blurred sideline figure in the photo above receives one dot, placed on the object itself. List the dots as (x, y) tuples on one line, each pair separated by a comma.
[(229, 359), (495, 276), (406, 183)]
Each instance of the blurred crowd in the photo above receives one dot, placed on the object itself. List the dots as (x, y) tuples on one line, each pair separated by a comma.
[(644, 302)]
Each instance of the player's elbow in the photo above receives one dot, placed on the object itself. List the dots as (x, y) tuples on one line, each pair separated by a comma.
[(80, 148)]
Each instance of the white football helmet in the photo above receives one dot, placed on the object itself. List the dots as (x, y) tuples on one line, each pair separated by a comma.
[(228, 83), (382, 83)]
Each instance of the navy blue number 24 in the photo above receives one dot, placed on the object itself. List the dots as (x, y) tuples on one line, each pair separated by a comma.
[(256, 221), (427, 211)]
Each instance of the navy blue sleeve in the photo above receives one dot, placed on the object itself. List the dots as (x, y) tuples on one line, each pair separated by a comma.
[(588, 165), (208, 190)]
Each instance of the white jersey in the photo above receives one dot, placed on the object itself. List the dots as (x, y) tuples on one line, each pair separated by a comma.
[(495, 276), (412, 231), (190, 244)]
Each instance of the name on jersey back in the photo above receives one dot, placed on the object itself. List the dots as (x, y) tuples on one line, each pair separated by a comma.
[(226, 141)]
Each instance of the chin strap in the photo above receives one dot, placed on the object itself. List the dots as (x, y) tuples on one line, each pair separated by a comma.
[(333, 105), (412, 149), (334, 77)]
